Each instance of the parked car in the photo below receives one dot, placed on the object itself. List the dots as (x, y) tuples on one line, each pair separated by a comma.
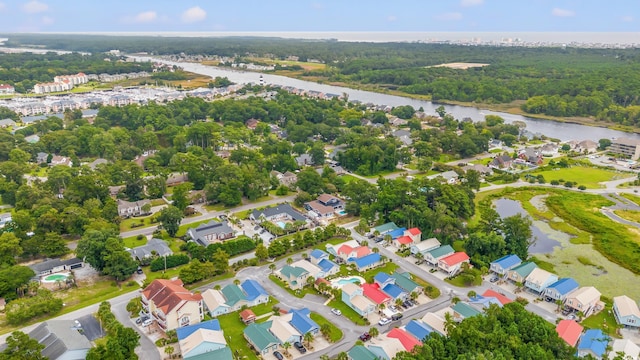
[(277, 355), (300, 347), (139, 321), (384, 321), (336, 311), (407, 304), (566, 312), (139, 270), (397, 316), (571, 317), (364, 337), (147, 322), (548, 299), (393, 308), (419, 262), (493, 279)]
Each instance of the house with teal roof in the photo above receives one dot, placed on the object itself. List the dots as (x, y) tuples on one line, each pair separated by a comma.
[(519, 273), (385, 228), (260, 338), (360, 352), (234, 295), (463, 310), (405, 281), (433, 257), (294, 276)]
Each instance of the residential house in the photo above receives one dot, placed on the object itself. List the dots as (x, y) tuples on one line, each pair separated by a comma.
[(32, 139), (60, 160), (436, 322), (495, 144), (504, 264), (282, 330), (384, 229), (176, 179), (154, 247), (215, 303), (386, 348), (462, 310), (203, 338), (586, 146), (452, 264), (626, 347), (569, 331), (408, 341), (286, 179), (132, 208), (360, 352), (561, 288), (94, 164), (368, 262), (171, 305), (405, 281), (252, 123), (483, 302), (425, 246), (296, 277), (348, 253), (115, 190), (626, 311), (353, 296), (585, 299), (501, 162), (531, 155), (549, 149), (519, 273), (304, 160), (450, 177), (302, 322), (433, 257), (7, 123), (388, 285), (52, 266), (316, 210), (7, 89), (260, 338), (254, 293), (414, 236), (330, 200), (396, 233), (276, 213), (313, 270), (593, 342), (404, 136), (482, 169), (418, 329), (247, 316), (211, 232), (62, 339), (373, 293), (321, 260), (538, 280), (41, 157), (500, 297)]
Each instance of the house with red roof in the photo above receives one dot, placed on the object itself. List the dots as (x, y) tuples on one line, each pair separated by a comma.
[(408, 341), (501, 298), (569, 331), (452, 264), (373, 293), (404, 241), (415, 234), (348, 253), (170, 305)]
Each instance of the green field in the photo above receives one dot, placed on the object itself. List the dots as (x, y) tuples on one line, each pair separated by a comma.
[(587, 176), (335, 333), (133, 241), (347, 312), (233, 329)]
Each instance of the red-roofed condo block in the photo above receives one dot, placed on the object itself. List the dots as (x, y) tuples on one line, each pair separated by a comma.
[(452, 264), (171, 305)]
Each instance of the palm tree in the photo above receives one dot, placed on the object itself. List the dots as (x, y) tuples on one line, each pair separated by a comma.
[(308, 337), (289, 261), (286, 347), (324, 357), (414, 295), (325, 330), (217, 287), (375, 250), (169, 351), (398, 302), (236, 282), (364, 243), (311, 280), (471, 294), (272, 267), (303, 255), (342, 356), (559, 303), (374, 332), (322, 287)]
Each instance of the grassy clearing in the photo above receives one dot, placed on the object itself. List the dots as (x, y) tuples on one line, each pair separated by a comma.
[(348, 178), (587, 176), (234, 332), (347, 312), (127, 224), (631, 197), (335, 334), (133, 241), (243, 215), (631, 215), (544, 265), (158, 202), (182, 231), (430, 290), (604, 320)]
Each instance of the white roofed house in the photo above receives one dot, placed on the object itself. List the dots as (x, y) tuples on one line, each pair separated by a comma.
[(626, 311), (132, 208), (538, 280), (425, 246), (585, 299)]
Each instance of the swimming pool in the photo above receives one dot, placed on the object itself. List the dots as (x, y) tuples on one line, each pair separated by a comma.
[(56, 277), (281, 224), (347, 281), (339, 282), (342, 212)]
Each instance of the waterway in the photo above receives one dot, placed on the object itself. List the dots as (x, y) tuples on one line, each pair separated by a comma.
[(555, 129)]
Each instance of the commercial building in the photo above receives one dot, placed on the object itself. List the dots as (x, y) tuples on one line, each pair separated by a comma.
[(626, 147)]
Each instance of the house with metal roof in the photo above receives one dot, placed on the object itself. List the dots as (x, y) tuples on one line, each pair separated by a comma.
[(153, 247), (484, 302), (418, 329), (52, 266), (452, 264), (276, 213), (353, 296), (585, 299), (500, 297), (384, 228), (368, 262), (211, 232), (436, 322), (593, 342), (386, 348), (408, 340), (433, 257), (504, 264), (397, 233), (260, 338), (569, 331), (360, 352), (425, 246), (233, 295), (301, 321), (628, 349), (202, 338), (463, 310), (373, 293), (538, 280), (296, 277), (519, 273), (254, 292), (63, 339), (561, 288), (626, 311), (215, 303)]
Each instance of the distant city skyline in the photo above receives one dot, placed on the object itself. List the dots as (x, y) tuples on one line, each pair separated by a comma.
[(319, 16)]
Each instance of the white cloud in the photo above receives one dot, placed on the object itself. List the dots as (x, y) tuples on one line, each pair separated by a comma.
[(392, 18), (194, 14), (33, 7), (47, 20), (627, 18), (2, 6), (467, 3), (145, 17), (562, 12), (450, 16)]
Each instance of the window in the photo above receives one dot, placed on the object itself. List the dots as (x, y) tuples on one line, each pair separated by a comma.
[(184, 321)]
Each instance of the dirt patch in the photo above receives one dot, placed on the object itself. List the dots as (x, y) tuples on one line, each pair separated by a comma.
[(539, 202), (460, 65)]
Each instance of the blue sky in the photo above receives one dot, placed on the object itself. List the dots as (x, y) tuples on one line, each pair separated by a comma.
[(318, 15)]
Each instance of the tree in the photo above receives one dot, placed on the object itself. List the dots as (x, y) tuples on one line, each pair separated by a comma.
[(604, 144), (517, 233), (9, 248), (308, 337), (134, 306), (310, 181), (261, 252), (20, 346), (286, 346), (220, 261), (472, 178), (180, 197), (118, 262), (325, 330), (170, 218), (317, 153), (374, 332), (92, 246), (169, 350), (272, 267)]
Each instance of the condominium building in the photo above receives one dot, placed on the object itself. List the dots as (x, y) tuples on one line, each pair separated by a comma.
[(626, 146)]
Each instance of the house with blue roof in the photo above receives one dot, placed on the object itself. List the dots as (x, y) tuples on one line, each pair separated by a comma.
[(185, 331), (327, 268), (318, 255), (395, 291), (484, 301), (418, 329), (301, 321), (368, 261), (383, 279), (504, 264), (593, 342), (203, 338), (561, 288), (254, 293), (397, 233)]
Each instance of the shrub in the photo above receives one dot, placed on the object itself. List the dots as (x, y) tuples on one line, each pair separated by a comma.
[(582, 187), (158, 264)]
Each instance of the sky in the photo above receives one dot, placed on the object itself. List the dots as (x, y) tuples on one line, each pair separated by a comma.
[(319, 15)]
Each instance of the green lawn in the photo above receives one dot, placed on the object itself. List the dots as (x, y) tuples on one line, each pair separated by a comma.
[(459, 281), (430, 290), (182, 231), (544, 265), (266, 307), (604, 320), (631, 215), (243, 215), (335, 334), (126, 224), (348, 178), (633, 198), (347, 312), (233, 330), (215, 207), (389, 268), (132, 241), (158, 202), (587, 176)]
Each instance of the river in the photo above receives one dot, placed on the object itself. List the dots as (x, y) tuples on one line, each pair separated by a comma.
[(550, 128)]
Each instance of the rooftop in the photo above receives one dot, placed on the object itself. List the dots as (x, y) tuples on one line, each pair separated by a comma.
[(569, 331)]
